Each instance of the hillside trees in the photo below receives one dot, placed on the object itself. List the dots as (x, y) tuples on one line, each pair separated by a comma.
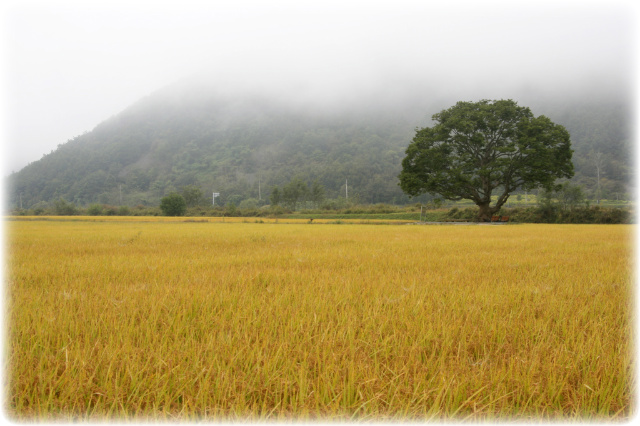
[(225, 145), (598, 161), (192, 195), (297, 193)]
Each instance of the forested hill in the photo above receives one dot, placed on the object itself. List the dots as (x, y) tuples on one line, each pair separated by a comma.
[(241, 146)]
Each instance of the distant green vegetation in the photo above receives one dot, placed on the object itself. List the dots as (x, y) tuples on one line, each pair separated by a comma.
[(243, 148), (547, 210), (296, 200)]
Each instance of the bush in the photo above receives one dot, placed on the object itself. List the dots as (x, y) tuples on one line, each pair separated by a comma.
[(64, 208), (248, 204), (248, 212), (329, 205), (173, 205), (469, 213), (230, 209), (554, 214), (276, 210), (110, 211), (95, 210), (124, 211)]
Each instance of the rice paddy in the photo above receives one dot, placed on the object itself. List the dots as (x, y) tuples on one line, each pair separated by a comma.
[(174, 320)]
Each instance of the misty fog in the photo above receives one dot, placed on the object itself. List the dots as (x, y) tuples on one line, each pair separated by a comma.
[(69, 65)]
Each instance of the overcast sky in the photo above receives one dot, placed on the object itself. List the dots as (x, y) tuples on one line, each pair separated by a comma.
[(68, 65)]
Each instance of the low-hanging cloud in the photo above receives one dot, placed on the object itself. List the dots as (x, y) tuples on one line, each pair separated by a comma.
[(71, 65)]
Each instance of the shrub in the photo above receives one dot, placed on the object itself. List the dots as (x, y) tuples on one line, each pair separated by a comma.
[(276, 210), (110, 211), (64, 208), (552, 213), (173, 205), (230, 209), (248, 204), (95, 210)]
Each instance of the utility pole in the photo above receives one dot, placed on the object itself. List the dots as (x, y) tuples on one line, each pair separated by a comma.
[(21, 201), (215, 194), (346, 189), (259, 193), (120, 187)]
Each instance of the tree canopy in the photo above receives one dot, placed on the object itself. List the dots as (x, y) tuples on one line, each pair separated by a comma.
[(478, 148)]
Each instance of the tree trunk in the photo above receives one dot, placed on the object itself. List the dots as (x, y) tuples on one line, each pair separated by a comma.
[(485, 213)]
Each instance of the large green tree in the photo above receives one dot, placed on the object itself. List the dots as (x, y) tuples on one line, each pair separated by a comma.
[(317, 193), (275, 196), (294, 192), (478, 148)]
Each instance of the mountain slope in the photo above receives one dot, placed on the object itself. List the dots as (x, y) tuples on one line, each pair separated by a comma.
[(241, 146)]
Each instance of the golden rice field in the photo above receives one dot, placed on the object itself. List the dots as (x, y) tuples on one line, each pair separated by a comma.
[(167, 319)]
